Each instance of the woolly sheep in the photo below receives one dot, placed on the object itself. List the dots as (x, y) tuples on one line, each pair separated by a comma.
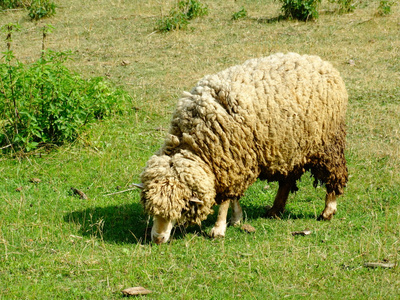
[(271, 118)]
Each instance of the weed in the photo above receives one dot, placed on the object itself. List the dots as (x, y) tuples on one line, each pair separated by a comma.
[(37, 9), (242, 13), (174, 21), (180, 16), (385, 7), (345, 6), (9, 4), (303, 10), (192, 9), (41, 9)]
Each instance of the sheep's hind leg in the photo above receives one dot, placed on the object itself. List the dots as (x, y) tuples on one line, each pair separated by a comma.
[(220, 226), (330, 207), (237, 213), (280, 200)]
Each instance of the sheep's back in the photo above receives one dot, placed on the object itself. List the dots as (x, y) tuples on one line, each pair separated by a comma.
[(272, 113)]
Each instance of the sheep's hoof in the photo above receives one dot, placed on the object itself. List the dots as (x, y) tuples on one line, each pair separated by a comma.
[(235, 223), (273, 214), (217, 232), (323, 218)]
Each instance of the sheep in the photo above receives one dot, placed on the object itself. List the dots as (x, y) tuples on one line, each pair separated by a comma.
[(272, 118)]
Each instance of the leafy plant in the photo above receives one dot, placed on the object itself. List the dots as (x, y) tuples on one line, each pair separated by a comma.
[(180, 16), (242, 13), (45, 103), (302, 10), (41, 9), (385, 7)]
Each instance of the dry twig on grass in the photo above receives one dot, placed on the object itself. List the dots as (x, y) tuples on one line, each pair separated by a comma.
[(81, 194)]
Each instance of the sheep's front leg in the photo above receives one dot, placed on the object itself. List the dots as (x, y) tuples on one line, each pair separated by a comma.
[(330, 207), (237, 213), (280, 200), (220, 226)]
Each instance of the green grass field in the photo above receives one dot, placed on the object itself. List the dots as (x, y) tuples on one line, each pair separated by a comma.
[(55, 245)]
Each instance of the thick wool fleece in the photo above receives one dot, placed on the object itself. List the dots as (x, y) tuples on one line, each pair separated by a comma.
[(272, 118)]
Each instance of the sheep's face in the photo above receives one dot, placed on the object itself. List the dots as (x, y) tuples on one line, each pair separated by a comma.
[(176, 190), (161, 230)]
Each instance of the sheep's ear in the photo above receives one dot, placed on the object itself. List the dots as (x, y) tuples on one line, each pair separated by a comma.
[(196, 200), (138, 185)]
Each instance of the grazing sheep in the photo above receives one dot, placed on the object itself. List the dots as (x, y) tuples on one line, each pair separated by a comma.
[(271, 118)]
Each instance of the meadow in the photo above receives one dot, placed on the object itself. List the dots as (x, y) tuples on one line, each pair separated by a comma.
[(56, 245)]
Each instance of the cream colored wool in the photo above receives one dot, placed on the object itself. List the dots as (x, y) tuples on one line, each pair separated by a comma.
[(272, 118)]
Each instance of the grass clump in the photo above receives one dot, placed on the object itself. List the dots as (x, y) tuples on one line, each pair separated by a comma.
[(345, 6), (303, 10), (41, 9), (192, 9), (44, 103), (242, 13), (37, 9), (385, 7), (174, 21), (10, 4), (180, 15)]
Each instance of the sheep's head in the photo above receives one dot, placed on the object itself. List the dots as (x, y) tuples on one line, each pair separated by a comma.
[(177, 189)]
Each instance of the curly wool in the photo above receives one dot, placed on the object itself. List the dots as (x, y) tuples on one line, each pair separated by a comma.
[(272, 118), (171, 188)]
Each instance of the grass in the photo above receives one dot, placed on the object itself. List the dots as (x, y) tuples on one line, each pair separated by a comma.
[(54, 245)]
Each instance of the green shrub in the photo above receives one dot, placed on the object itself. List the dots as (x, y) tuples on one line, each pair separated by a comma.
[(44, 103), (180, 16), (240, 14), (41, 9), (302, 10)]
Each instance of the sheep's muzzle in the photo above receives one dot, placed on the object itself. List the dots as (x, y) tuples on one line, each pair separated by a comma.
[(161, 230)]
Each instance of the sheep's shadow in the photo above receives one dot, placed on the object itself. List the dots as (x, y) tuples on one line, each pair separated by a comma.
[(125, 223), (128, 223)]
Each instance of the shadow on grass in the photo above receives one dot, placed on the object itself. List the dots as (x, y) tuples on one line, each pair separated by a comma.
[(265, 20), (129, 224), (118, 224), (124, 224)]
